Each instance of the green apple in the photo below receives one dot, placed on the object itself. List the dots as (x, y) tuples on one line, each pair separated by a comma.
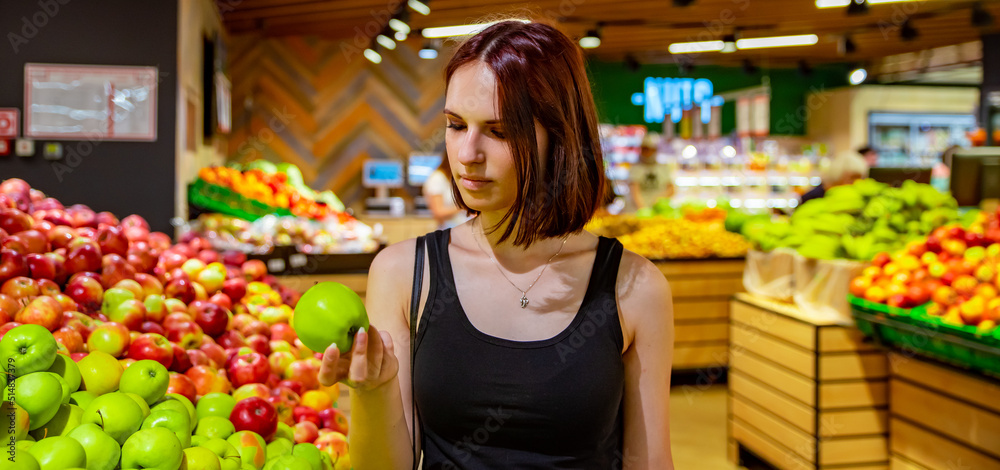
[(141, 402), (116, 413), (186, 404), (278, 447), (327, 463), (202, 459), (16, 422), (146, 378), (228, 456), (284, 431), (66, 419), (59, 452), (198, 440), (21, 460), (39, 393), (252, 449), (328, 313), (103, 452), (100, 372), (215, 404), (153, 448), (214, 427), (27, 348), (114, 297), (177, 421), (68, 370), (82, 398), (287, 462), (310, 453), (64, 386)]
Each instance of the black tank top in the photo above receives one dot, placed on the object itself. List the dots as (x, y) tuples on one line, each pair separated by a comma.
[(491, 403)]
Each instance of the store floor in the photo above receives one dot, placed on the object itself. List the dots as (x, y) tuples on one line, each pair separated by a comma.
[(698, 428)]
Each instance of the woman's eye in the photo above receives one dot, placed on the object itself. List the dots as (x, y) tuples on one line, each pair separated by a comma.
[(457, 127), (498, 133)]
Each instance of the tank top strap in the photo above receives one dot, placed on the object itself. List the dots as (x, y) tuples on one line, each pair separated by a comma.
[(609, 257)]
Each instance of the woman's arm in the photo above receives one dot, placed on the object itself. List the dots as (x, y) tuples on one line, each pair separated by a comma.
[(378, 369), (646, 308), (435, 202)]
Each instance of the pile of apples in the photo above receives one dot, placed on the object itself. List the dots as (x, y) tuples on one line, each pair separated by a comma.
[(954, 272), (99, 314)]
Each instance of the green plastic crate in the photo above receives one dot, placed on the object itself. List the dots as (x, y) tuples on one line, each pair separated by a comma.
[(934, 339), (225, 201)]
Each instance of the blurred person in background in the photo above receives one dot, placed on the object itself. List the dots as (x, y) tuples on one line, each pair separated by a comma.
[(440, 200), (649, 180), (869, 154), (844, 169)]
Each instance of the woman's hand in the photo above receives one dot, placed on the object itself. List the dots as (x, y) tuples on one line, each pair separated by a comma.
[(369, 364)]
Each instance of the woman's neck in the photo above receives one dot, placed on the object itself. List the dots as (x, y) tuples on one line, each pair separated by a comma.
[(505, 252)]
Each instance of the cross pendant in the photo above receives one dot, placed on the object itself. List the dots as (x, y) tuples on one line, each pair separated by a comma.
[(524, 300)]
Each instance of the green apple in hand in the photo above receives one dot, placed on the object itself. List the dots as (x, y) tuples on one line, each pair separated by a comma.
[(39, 393), (228, 456), (214, 427), (116, 413), (27, 348), (68, 370), (100, 372), (278, 447), (178, 402), (141, 402), (66, 419), (103, 452), (146, 378), (310, 453), (59, 452), (153, 448), (328, 313), (215, 404), (176, 421), (202, 459)]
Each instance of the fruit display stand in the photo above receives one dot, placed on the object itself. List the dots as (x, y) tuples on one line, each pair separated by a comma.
[(804, 393), (701, 291), (963, 429)]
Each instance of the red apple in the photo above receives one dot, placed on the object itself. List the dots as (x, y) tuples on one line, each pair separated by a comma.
[(259, 343), (135, 220), (112, 240), (82, 216), (181, 362), (15, 186), (106, 219), (335, 419), (67, 304), (60, 236), (7, 327), (305, 413), (135, 234), (256, 327), (304, 371), (234, 288), (86, 292), (180, 289), (283, 406), (70, 338), (35, 241), (207, 380), (215, 353), (130, 313), (254, 270), (293, 385), (175, 318), (210, 317), (182, 385), (14, 221), (231, 339), (185, 334), (84, 255), (221, 300), (159, 241), (12, 264), (114, 270), (8, 308), (171, 260), (249, 368), (255, 414), (305, 432), (234, 258), (87, 232), (208, 256), (48, 203), (152, 327), (150, 284), (40, 266), (80, 322), (20, 287)]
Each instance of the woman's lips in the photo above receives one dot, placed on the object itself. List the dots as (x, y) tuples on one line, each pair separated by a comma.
[(474, 183)]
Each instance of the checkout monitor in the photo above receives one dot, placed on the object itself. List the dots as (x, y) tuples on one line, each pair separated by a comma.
[(382, 173), (975, 175), (420, 167)]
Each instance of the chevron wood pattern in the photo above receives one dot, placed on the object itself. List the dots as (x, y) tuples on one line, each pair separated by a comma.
[(304, 100)]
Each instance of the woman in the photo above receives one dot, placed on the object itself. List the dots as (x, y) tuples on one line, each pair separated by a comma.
[(539, 345), (844, 169), (438, 193)]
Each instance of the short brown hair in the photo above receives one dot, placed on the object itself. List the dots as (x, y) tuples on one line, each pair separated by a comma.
[(540, 75)]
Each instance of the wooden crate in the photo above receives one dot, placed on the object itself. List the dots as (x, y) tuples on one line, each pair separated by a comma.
[(701, 291), (941, 417), (804, 394)]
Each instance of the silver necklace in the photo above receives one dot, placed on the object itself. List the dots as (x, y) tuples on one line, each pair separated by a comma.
[(524, 293)]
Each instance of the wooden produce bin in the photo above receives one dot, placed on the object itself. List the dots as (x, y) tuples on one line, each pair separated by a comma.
[(941, 417), (701, 290), (804, 394)]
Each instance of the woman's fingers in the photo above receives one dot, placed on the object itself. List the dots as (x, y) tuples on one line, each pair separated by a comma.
[(328, 369), (374, 352), (359, 361)]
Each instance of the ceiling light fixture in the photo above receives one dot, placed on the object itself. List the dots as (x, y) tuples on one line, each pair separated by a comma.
[(428, 52), (592, 39), (385, 42), (844, 3), (695, 47), (857, 8), (777, 41), (458, 30), (419, 7), (399, 26), (728, 44), (857, 76), (372, 55)]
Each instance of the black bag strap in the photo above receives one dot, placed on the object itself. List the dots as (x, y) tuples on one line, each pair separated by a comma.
[(418, 282)]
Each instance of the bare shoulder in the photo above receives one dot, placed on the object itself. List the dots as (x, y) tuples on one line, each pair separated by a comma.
[(644, 296), (389, 279), (393, 258)]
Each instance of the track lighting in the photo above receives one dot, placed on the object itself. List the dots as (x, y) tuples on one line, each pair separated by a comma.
[(857, 7), (846, 45), (980, 17), (907, 31)]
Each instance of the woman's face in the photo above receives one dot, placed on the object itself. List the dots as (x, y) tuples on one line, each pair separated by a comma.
[(479, 154)]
